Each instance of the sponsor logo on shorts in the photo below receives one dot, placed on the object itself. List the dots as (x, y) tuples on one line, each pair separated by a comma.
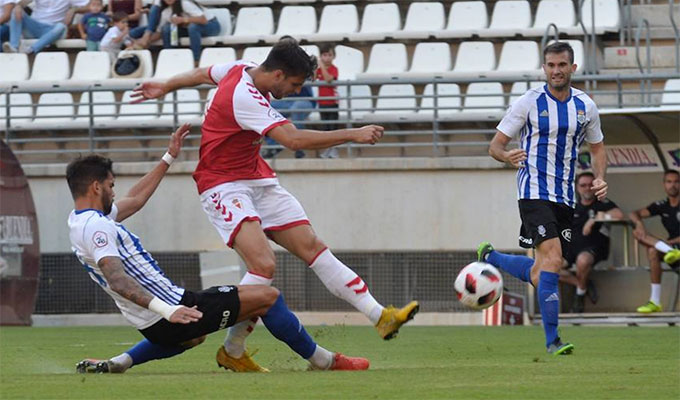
[(528, 241), (100, 239), (225, 319), (225, 289), (566, 234), (541, 230)]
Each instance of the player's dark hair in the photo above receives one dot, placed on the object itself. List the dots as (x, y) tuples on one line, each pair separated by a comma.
[(82, 171), (290, 58), (559, 47), (584, 173), (671, 172), (119, 16), (327, 48)]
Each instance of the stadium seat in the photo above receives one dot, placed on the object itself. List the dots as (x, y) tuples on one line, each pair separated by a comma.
[(185, 111), (491, 97), (172, 62), (390, 106), (92, 65), (510, 17), (431, 58), (55, 108), (252, 2), (360, 103), (519, 55), (296, 1), (214, 2), (423, 20), (670, 99), (311, 49), (252, 25), (51, 66), (349, 61), (607, 17), (102, 106), (256, 54), (465, 19), (216, 55), (445, 105), (558, 12), (378, 22), (475, 57), (17, 110), (14, 67), (579, 56), (387, 59), (519, 88), (295, 21), (140, 114), (336, 22), (145, 57), (224, 18)]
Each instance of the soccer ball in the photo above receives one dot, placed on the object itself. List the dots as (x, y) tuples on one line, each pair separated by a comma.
[(479, 285)]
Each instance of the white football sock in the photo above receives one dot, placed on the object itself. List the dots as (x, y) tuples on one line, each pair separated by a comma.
[(235, 342), (656, 293), (121, 362), (321, 358), (580, 292), (662, 247), (346, 284)]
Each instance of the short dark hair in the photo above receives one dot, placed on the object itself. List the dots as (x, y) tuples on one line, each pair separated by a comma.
[(327, 48), (559, 47), (671, 172), (82, 171), (290, 58), (584, 173), (119, 16)]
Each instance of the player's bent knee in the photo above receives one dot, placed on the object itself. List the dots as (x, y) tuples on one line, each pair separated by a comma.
[(264, 267), (193, 342), (271, 294)]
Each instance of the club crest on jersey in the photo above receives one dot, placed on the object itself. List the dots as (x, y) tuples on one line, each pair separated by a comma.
[(100, 239), (581, 116), (273, 114), (566, 234), (237, 203)]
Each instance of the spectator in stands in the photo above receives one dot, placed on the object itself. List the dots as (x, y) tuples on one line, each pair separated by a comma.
[(589, 239), (145, 33), (116, 36), (328, 109), (669, 210), (47, 23), (6, 7), (297, 108), (93, 25), (191, 20), (134, 10)]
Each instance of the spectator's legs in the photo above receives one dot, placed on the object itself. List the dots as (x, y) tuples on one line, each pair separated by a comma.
[(46, 34), (153, 18), (331, 115), (165, 34), (137, 32), (584, 263), (16, 28), (91, 45), (4, 34), (197, 31)]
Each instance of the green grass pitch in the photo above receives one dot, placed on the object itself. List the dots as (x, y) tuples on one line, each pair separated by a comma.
[(422, 363)]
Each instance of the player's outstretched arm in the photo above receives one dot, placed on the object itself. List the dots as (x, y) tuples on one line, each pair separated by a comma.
[(121, 283), (305, 139), (514, 157), (156, 90), (599, 169), (140, 193)]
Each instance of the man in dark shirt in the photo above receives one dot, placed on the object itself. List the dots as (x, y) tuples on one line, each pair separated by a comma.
[(669, 211), (589, 239)]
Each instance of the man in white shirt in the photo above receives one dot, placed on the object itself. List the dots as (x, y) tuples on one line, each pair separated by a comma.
[(6, 7), (47, 23)]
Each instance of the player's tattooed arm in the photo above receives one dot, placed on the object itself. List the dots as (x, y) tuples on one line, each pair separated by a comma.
[(122, 283)]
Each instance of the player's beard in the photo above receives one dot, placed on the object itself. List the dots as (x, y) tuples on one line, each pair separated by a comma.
[(565, 84), (107, 204)]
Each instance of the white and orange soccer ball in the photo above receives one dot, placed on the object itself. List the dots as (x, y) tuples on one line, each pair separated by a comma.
[(479, 285)]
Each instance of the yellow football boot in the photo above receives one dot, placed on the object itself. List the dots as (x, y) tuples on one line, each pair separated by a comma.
[(393, 318), (243, 364)]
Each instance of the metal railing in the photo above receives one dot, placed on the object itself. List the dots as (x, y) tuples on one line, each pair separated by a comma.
[(645, 85)]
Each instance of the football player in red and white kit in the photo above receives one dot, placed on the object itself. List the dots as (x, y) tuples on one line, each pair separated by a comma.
[(241, 194)]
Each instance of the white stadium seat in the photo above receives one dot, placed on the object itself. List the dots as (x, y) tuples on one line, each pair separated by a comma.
[(296, 20), (423, 20), (55, 108), (171, 62), (558, 12), (431, 58), (337, 21), (607, 17), (378, 22), (387, 58), (358, 106), (100, 108), (445, 105), (519, 55), (311, 49), (579, 56), (349, 61), (670, 99), (14, 67), (492, 99), (397, 106), (519, 88), (145, 58), (509, 17), (256, 54), (51, 66), (185, 110), (20, 115), (216, 55), (140, 113), (214, 2), (475, 57), (92, 65), (465, 19), (252, 24)]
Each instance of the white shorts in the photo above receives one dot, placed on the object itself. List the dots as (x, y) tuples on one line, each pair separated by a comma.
[(230, 204)]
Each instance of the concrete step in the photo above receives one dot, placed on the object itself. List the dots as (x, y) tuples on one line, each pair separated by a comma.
[(619, 57), (656, 14)]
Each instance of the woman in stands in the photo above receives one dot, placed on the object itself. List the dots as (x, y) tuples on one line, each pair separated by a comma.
[(133, 8), (190, 19)]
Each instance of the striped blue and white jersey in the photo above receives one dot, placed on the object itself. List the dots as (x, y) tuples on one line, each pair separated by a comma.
[(95, 236), (551, 132)]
